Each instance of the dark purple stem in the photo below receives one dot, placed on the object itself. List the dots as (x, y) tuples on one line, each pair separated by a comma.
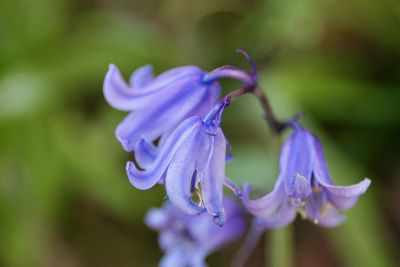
[(269, 115), (250, 85)]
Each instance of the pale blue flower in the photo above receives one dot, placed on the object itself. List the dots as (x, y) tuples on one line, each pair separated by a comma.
[(191, 160), (304, 186), (158, 104), (187, 240)]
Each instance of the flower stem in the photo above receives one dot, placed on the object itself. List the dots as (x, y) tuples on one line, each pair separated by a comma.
[(250, 85), (280, 251), (276, 125)]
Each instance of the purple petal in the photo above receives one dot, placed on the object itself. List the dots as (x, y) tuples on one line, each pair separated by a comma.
[(212, 120), (149, 177), (173, 75), (233, 187), (141, 77), (197, 259), (213, 181), (273, 210), (266, 205), (229, 157), (156, 218), (253, 236), (296, 164), (145, 153), (120, 96), (230, 72), (116, 90), (320, 211), (178, 182), (331, 218), (162, 115), (344, 197), (175, 258), (233, 228), (321, 171), (168, 239), (283, 216), (210, 97)]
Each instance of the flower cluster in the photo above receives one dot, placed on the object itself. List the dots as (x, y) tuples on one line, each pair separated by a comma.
[(174, 130), (187, 240)]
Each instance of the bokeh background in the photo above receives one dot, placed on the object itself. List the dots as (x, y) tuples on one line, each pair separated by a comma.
[(64, 198)]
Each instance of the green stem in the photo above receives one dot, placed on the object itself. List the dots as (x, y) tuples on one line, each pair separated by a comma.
[(280, 248)]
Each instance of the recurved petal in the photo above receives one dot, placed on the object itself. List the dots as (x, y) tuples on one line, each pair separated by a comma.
[(267, 205), (331, 218), (178, 181), (149, 177), (141, 77), (145, 153), (120, 96), (283, 216), (116, 90), (214, 175), (344, 197), (233, 187), (273, 210)]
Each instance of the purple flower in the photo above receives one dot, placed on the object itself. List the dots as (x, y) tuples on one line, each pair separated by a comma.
[(304, 186), (191, 160), (187, 240), (159, 104)]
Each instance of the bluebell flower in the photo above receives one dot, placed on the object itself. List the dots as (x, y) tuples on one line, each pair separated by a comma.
[(304, 186), (187, 240), (158, 104), (191, 160)]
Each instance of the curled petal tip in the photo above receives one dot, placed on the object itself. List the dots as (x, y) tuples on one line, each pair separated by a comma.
[(251, 62), (129, 167), (351, 190), (220, 219), (129, 164), (125, 142), (233, 187), (366, 183), (132, 173), (246, 189), (345, 197)]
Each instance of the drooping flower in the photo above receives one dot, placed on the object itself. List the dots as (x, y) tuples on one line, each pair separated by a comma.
[(158, 104), (192, 159), (187, 240), (305, 186)]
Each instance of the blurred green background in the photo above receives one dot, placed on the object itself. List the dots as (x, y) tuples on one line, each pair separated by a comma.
[(64, 198)]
